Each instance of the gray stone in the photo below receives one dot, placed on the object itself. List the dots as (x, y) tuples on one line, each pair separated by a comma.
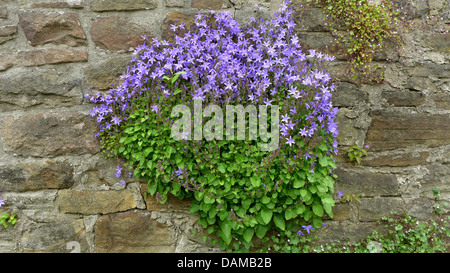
[(123, 5), (49, 134), (103, 75), (54, 237), (36, 175), (117, 34), (366, 184), (374, 208), (41, 88)]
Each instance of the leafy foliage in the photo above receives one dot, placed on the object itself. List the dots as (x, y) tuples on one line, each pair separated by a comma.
[(363, 28)]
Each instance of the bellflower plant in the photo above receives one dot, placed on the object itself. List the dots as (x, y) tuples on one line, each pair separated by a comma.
[(238, 189)]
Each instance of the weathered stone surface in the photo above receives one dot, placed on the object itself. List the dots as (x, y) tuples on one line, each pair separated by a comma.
[(341, 212), (176, 18), (95, 202), (74, 4), (349, 134), (7, 32), (6, 62), (54, 27), (116, 34), (349, 95), (404, 98), (374, 208), (41, 88), (311, 20), (53, 237), (119, 5), (51, 56), (29, 176), (391, 130), (397, 160), (366, 184), (3, 12), (175, 3), (209, 4), (49, 134), (101, 76), (442, 100), (438, 176), (172, 203), (130, 232), (33, 205), (322, 42)]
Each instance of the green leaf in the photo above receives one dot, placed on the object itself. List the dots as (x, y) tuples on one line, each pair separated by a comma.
[(256, 181), (248, 234), (225, 227), (278, 219), (318, 210), (152, 188), (266, 215), (221, 168), (261, 230)]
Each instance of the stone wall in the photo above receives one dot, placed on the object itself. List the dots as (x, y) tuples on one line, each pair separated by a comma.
[(65, 194)]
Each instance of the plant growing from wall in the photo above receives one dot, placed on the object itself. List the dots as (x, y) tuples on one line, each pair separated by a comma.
[(239, 189), (362, 28), (8, 217)]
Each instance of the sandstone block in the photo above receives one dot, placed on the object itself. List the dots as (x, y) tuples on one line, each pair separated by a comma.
[(49, 134), (399, 130), (101, 76), (132, 231), (95, 202), (116, 34), (53, 27), (123, 5), (39, 175)]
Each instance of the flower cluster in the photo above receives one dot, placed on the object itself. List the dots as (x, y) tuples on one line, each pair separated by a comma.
[(222, 63), (261, 64)]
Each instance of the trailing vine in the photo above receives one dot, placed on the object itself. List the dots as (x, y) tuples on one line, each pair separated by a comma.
[(362, 29)]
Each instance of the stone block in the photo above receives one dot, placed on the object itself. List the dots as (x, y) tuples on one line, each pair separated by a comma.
[(131, 232), (404, 98), (54, 27), (51, 56), (123, 5), (396, 160), (36, 175), (49, 134), (371, 209), (392, 130), (366, 184), (39, 88), (209, 4), (101, 76), (94, 202), (117, 34)]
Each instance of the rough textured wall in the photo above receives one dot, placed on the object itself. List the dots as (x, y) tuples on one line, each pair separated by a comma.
[(67, 197)]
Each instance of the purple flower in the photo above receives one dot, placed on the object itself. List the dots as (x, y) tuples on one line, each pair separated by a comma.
[(300, 233), (155, 108), (307, 228), (118, 171), (1, 202), (290, 141), (122, 182), (340, 194)]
